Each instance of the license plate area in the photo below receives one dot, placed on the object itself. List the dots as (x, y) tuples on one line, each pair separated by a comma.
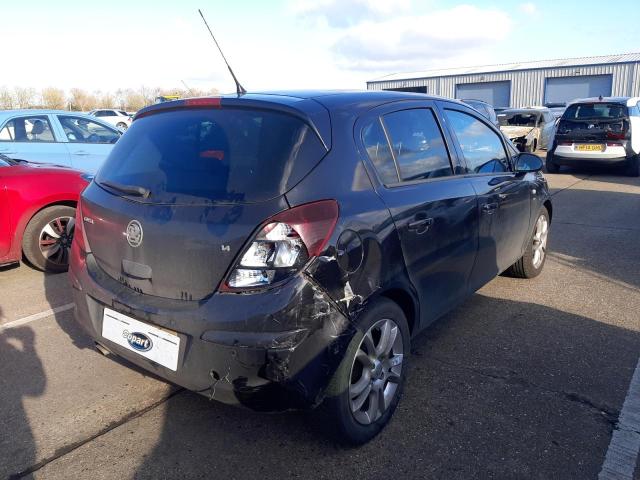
[(156, 344), (589, 147)]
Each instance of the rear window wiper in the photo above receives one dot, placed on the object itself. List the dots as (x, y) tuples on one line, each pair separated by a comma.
[(128, 189)]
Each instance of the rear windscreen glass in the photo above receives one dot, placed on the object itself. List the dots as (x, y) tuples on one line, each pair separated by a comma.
[(595, 111), (201, 156)]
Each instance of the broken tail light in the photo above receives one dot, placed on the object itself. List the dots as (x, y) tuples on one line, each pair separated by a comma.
[(283, 246)]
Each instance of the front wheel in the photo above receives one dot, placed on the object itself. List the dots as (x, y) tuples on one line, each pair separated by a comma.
[(531, 263), (366, 388)]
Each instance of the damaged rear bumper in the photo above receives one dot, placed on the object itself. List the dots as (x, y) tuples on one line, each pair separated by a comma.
[(267, 351)]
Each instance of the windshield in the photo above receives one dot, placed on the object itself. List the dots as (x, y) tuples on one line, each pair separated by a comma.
[(594, 111), (518, 119), (201, 156)]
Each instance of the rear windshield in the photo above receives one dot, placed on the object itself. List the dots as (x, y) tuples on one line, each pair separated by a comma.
[(202, 156), (594, 111), (518, 119)]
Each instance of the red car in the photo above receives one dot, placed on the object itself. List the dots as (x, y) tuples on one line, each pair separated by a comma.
[(37, 212)]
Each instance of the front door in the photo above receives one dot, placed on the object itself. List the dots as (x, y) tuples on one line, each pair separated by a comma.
[(89, 142), (504, 197), (435, 211)]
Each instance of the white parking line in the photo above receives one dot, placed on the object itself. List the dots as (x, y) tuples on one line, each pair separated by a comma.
[(35, 316), (622, 455)]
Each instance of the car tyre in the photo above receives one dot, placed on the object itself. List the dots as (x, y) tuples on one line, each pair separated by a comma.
[(532, 262), (46, 242), (383, 376), (550, 165), (633, 166)]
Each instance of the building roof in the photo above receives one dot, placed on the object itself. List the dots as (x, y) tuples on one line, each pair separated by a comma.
[(561, 62)]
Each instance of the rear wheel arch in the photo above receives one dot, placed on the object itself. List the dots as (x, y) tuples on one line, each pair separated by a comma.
[(406, 302)]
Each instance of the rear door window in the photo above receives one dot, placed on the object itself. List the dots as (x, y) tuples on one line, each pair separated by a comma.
[(417, 144), (27, 129), (228, 155), (378, 150), (481, 146)]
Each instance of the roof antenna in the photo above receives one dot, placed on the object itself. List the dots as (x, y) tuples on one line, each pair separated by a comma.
[(239, 88), (187, 87)]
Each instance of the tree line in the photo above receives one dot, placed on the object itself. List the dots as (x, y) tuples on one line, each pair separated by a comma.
[(78, 99)]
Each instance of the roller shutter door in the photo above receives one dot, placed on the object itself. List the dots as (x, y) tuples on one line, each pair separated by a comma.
[(497, 94), (565, 89)]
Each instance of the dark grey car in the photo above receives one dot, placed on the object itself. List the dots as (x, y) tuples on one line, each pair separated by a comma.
[(281, 250)]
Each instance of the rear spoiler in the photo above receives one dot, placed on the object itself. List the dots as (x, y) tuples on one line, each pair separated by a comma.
[(309, 111)]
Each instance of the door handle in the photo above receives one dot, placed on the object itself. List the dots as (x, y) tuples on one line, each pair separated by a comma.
[(489, 208), (81, 153), (420, 226)]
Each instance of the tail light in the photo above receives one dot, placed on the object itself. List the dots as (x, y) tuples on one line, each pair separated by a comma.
[(283, 246), (616, 131), (80, 243)]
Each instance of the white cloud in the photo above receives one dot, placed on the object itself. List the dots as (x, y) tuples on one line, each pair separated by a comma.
[(343, 13), (529, 8), (397, 35)]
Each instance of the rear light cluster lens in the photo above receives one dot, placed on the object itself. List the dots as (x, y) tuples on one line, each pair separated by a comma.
[(284, 246), (276, 252)]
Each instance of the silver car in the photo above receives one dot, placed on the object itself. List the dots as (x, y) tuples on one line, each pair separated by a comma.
[(528, 128)]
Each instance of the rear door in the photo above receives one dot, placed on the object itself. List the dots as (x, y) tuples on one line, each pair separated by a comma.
[(88, 141), (209, 178), (504, 197), (434, 211), (33, 138)]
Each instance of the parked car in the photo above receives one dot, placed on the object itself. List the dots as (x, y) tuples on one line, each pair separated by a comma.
[(484, 108), (58, 137), (117, 118), (528, 128), (253, 249), (598, 130), (37, 212)]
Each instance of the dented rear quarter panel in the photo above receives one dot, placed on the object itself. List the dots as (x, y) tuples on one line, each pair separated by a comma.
[(363, 259)]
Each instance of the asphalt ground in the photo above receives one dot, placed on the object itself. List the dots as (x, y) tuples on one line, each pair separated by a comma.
[(526, 379)]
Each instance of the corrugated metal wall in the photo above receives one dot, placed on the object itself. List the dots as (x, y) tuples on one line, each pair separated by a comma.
[(527, 86)]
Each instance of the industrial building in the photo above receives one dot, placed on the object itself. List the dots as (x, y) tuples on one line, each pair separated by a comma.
[(526, 83)]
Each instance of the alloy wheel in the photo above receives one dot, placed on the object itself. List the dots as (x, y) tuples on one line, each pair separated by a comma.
[(540, 241), (55, 240), (376, 371)]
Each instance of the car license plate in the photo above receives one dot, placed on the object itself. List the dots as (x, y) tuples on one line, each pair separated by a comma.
[(590, 147), (151, 342)]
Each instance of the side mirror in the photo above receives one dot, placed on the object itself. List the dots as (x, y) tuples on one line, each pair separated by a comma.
[(528, 162)]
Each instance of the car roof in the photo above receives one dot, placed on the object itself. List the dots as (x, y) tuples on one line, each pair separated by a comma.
[(628, 101), (525, 110), (36, 111), (304, 100)]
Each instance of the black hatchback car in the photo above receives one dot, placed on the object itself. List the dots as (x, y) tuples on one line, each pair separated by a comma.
[(281, 250)]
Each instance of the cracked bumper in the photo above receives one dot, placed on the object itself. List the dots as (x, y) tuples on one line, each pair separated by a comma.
[(267, 351)]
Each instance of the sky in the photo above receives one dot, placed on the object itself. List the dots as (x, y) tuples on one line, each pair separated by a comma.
[(287, 44)]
